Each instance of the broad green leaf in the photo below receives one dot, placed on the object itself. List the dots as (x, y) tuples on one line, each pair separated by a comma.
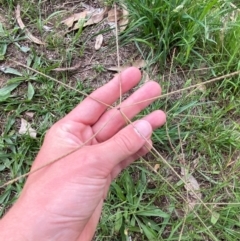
[(129, 186), (3, 49), (133, 221), (150, 223), (7, 162), (16, 80), (150, 234), (215, 217), (2, 167), (29, 60), (134, 229), (6, 90), (4, 97), (126, 214), (37, 62), (153, 213), (31, 91), (1, 29), (33, 78), (119, 191), (11, 71), (118, 221)]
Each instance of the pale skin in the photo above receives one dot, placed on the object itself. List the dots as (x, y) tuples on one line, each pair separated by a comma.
[(63, 201)]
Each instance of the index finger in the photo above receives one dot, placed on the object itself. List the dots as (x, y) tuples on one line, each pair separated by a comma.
[(91, 108)]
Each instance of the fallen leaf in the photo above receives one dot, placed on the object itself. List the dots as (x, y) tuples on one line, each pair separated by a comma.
[(9, 70), (74, 18), (24, 49), (30, 92), (193, 188), (26, 128), (191, 185), (88, 7), (99, 41), (202, 88), (47, 28), (124, 19), (96, 16), (22, 26), (93, 16), (30, 114), (111, 15), (112, 27), (139, 63), (156, 167), (145, 76)]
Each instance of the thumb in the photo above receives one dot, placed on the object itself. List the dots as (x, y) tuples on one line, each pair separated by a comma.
[(126, 142)]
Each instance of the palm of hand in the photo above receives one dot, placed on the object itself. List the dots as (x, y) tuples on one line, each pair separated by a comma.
[(74, 188)]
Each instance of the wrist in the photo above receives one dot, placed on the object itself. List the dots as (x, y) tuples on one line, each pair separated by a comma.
[(29, 222), (23, 222), (12, 228)]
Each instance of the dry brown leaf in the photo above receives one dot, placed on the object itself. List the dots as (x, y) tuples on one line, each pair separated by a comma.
[(22, 26), (202, 88), (124, 20), (99, 41), (94, 16), (75, 17), (112, 27), (191, 185), (156, 167), (193, 188), (47, 28), (88, 7), (139, 63), (145, 77), (111, 15), (30, 114), (27, 129)]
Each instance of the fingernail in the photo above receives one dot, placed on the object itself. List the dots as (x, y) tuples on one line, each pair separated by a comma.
[(143, 128)]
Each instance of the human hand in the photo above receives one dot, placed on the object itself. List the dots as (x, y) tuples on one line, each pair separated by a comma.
[(63, 201)]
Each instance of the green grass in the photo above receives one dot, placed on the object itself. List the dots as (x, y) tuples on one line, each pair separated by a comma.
[(203, 129)]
